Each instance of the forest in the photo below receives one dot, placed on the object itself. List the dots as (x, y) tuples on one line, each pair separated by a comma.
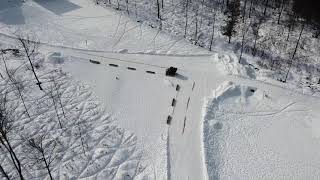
[(279, 34)]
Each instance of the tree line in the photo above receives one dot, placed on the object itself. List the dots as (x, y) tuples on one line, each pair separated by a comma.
[(274, 30)]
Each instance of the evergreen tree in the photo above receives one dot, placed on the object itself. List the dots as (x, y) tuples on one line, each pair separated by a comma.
[(232, 13)]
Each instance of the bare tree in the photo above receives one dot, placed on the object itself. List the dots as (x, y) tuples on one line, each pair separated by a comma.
[(201, 16), (6, 126), (294, 52), (298, 41), (53, 97), (212, 33), (255, 26), (30, 47), (158, 9), (127, 6), (281, 8), (251, 7), (265, 7), (3, 172), (1, 75), (41, 150), (244, 11), (244, 33), (159, 14), (186, 18), (135, 9), (56, 87), (291, 24), (197, 26), (18, 87)]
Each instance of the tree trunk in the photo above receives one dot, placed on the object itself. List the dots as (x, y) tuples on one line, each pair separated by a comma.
[(13, 155), (212, 35), (31, 64), (254, 46), (244, 10), (289, 30), (136, 10), (265, 7), (196, 32), (4, 173), (15, 85), (46, 164), (294, 53), (297, 44), (242, 44), (56, 109), (158, 9), (186, 16), (127, 6), (281, 10), (250, 9)]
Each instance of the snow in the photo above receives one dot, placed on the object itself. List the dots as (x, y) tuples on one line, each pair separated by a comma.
[(56, 58), (82, 24), (140, 101), (250, 133), (89, 144), (249, 127), (229, 64)]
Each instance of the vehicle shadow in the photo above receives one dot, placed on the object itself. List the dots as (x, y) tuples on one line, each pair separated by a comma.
[(181, 77)]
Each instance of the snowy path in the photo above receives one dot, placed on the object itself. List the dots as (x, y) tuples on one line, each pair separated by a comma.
[(13, 38), (185, 130), (182, 146), (157, 63)]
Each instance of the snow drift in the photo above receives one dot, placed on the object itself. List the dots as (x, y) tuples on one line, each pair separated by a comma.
[(228, 64)]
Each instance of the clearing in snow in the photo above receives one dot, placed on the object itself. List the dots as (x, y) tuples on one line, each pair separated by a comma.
[(252, 133)]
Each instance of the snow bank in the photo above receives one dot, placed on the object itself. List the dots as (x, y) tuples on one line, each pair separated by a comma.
[(229, 65), (251, 134), (55, 58)]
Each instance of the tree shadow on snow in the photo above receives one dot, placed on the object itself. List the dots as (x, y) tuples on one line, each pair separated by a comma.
[(11, 13), (58, 7)]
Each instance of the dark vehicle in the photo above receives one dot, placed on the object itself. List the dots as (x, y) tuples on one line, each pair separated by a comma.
[(171, 71)]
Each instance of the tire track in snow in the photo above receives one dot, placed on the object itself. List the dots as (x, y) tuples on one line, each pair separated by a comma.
[(168, 156), (266, 113)]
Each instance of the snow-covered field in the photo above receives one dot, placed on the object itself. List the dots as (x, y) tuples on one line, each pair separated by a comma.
[(115, 122), (141, 102), (82, 24), (81, 139), (250, 132)]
